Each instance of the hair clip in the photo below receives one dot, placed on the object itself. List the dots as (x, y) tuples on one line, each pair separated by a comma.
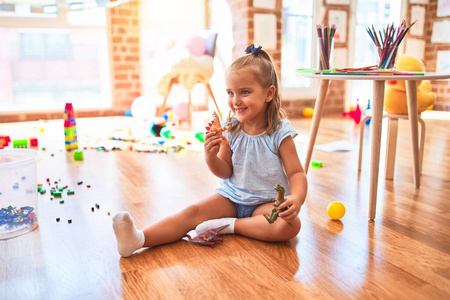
[(253, 50)]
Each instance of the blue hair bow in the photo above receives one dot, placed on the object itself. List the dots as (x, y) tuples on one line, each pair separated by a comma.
[(253, 50)]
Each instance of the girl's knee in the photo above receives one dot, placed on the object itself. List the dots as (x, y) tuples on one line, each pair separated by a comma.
[(196, 213), (191, 212), (287, 231)]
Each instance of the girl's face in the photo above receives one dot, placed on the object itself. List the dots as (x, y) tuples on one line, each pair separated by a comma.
[(247, 98)]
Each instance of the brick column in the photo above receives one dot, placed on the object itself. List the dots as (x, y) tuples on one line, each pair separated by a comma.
[(125, 49), (240, 15), (243, 13)]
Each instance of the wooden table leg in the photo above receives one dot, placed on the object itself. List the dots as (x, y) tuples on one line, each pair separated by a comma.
[(411, 95), (391, 147), (318, 109), (377, 118)]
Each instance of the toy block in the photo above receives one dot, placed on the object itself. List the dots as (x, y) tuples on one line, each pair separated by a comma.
[(78, 155), (20, 143), (4, 141), (72, 146), (70, 129), (33, 142), (317, 164)]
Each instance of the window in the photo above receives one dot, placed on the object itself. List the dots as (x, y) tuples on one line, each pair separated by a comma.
[(164, 32), (48, 57), (297, 48), (44, 45)]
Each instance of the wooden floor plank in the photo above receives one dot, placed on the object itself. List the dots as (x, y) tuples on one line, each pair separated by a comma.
[(403, 254)]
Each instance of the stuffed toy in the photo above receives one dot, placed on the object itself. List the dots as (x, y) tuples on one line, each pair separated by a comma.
[(395, 93)]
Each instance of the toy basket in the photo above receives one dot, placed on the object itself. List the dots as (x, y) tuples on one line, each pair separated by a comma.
[(18, 192)]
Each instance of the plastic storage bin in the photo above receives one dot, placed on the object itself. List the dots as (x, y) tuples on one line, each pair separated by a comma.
[(18, 192)]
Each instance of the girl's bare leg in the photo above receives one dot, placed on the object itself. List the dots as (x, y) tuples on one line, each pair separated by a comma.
[(173, 228), (257, 227)]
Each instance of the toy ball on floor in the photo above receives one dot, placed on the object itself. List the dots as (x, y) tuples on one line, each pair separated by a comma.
[(143, 108), (336, 210), (308, 112)]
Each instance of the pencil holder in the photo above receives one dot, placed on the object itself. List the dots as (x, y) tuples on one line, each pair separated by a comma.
[(387, 43), (324, 53), (387, 57)]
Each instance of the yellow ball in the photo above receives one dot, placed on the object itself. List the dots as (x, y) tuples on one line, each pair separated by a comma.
[(308, 112), (336, 210)]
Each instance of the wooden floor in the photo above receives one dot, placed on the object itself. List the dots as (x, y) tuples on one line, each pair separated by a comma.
[(404, 254)]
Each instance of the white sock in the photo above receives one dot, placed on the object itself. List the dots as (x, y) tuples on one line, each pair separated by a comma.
[(129, 238), (210, 224)]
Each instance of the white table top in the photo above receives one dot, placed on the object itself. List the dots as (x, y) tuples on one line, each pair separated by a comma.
[(343, 76)]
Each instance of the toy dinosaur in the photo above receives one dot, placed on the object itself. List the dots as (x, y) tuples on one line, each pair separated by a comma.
[(276, 203), (214, 126), (209, 237)]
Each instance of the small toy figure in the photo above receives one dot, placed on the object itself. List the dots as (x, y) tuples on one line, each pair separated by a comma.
[(395, 101), (209, 237), (276, 203), (355, 114), (214, 126), (368, 111)]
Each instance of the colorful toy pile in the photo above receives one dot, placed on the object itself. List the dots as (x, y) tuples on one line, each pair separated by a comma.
[(11, 217), (70, 128)]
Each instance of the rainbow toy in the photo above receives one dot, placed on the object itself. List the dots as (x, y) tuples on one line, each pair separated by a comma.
[(70, 128)]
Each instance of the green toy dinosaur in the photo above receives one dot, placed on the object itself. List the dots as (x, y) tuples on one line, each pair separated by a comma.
[(276, 203)]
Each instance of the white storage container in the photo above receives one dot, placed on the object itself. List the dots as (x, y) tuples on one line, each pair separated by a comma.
[(18, 192)]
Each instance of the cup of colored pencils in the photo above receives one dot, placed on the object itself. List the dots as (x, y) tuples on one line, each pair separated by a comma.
[(387, 43), (325, 42)]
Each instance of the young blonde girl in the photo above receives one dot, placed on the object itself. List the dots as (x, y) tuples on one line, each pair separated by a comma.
[(260, 153)]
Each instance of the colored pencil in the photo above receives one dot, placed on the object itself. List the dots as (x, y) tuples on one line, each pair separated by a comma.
[(325, 35), (387, 42)]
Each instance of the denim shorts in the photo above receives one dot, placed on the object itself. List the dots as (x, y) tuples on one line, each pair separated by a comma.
[(244, 211)]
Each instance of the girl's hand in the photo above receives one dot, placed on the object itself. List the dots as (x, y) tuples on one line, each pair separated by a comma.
[(212, 144), (293, 208)]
